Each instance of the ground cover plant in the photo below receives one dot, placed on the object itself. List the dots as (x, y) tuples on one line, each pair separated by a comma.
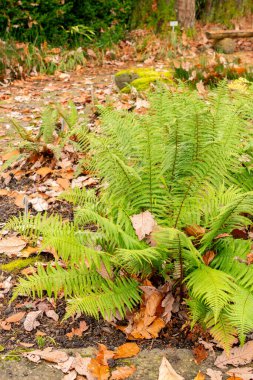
[(175, 189)]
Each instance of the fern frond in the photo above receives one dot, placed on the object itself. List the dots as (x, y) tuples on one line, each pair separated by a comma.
[(222, 330), (49, 119), (211, 286), (113, 297), (240, 313)]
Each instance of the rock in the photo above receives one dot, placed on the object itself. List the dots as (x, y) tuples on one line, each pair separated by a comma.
[(124, 78), (226, 45), (140, 78)]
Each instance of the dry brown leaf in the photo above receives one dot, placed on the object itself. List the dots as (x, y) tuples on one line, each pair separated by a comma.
[(156, 327), (32, 357), (167, 372), (236, 378), (121, 373), (28, 251), (26, 345), (70, 376), (214, 375), (200, 376), (167, 303), (52, 314), (44, 171), (100, 372), (9, 155), (52, 356), (237, 356), (78, 331), (143, 224), (5, 326), (195, 230), (201, 89), (81, 366), (103, 354), (66, 366), (15, 317), (208, 257), (39, 204), (200, 353), (245, 373), (126, 350), (31, 322), (19, 200), (64, 183), (12, 245)]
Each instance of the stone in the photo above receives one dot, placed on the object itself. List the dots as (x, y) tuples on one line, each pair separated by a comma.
[(226, 45)]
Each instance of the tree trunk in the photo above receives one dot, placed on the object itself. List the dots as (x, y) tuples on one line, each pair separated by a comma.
[(186, 13)]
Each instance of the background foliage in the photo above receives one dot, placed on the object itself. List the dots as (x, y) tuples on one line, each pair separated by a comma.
[(52, 20)]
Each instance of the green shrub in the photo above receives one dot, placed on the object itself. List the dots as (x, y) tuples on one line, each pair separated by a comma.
[(182, 161)]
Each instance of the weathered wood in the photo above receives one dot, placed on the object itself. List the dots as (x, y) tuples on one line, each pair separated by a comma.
[(220, 34)]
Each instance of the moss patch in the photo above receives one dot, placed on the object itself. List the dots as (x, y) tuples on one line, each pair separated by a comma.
[(19, 264), (140, 78)]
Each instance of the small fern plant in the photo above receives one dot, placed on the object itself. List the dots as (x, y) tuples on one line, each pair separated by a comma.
[(58, 127), (188, 162)]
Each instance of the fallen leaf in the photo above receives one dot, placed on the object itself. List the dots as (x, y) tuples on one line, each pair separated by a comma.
[(156, 327), (121, 373), (167, 372), (12, 245), (200, 353), (64, 183), (100, 372), (78, 331), (237, 356), (39, 204), (28, 251), (104, 355), (208, 257), (9, 155), (26, 345), (32, 357), (201, 89), (5, 326), (126, 350), (143, 224), (50, 355), (15, 317), (245, 373), (81, 366), (214, 375), (65, 366), (52, 314), (30, 322), (44, 171), (195, 230), (200, 376), (167, 303), (6, 285), (70, 376)]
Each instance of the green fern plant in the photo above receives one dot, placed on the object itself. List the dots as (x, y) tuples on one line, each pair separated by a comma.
[(182, 161), (58, 127)]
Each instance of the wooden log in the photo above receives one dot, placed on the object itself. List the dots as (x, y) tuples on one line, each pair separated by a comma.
[(220, 34)]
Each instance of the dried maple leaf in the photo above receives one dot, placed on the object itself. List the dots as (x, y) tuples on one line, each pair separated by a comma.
[(121, 373), (31, 322), (167, 372), (143, 224), (126, 350), (12, 245), (15, 317), (78, 331), (237, 356), (103, 354)]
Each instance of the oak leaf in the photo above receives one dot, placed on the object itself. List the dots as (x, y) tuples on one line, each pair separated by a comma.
[(78, 331), (237, 356)]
